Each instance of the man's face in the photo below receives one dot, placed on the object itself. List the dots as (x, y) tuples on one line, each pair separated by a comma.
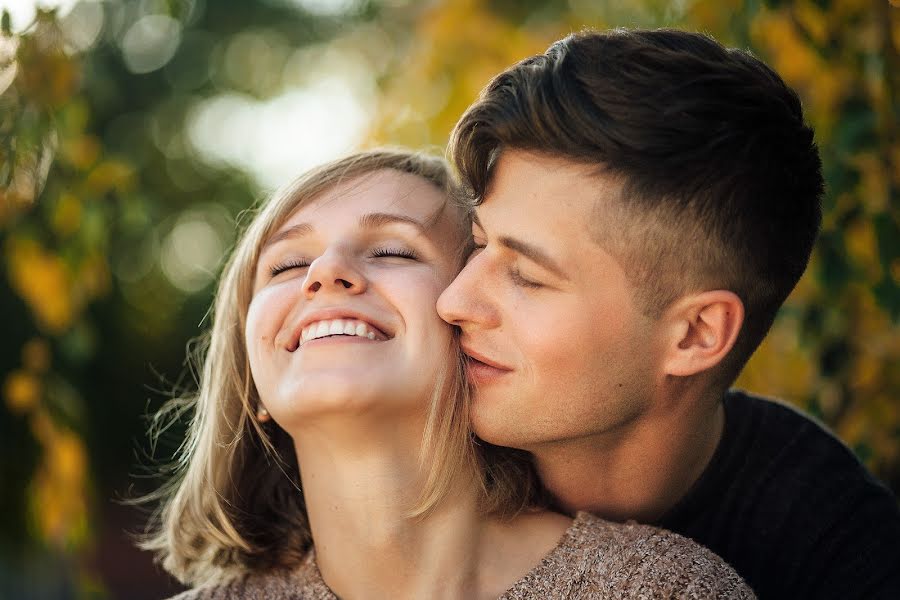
[(558, 349)]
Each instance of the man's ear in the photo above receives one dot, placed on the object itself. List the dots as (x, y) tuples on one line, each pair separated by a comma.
[(703, 329)]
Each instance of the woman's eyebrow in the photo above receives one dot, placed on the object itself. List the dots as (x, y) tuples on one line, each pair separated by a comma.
[(298, 230), (380, 219), (366, 221)]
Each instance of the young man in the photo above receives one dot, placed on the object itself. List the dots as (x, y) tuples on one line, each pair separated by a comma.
[(645, 201)]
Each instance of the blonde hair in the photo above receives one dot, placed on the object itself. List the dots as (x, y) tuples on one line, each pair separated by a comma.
[(233, 504)]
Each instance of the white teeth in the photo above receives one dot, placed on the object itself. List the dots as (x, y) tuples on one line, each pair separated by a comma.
[(337, 327)]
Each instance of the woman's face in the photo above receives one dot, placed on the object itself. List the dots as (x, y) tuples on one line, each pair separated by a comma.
[(343, 313)]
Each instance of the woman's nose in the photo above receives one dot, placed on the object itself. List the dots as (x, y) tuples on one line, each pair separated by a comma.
[(333, 271)]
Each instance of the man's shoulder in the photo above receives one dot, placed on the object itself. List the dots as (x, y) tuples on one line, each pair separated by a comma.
[(761, 429), (791, 506), (782, 418), (775, 453)]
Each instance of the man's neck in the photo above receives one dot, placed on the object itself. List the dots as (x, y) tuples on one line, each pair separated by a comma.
[(639, 471)]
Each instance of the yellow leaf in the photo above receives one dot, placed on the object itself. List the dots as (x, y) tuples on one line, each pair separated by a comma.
[(813, 20), (22, 391), (67, 459), (81, 152), (58, 492), (44, 282), (110, 175), (862, 246), (67, 214)]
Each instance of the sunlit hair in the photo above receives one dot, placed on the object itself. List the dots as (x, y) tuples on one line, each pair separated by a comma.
[(234, 503)]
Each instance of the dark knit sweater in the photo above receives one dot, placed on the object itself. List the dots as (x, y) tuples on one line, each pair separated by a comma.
[(792, 509), (595, 559)]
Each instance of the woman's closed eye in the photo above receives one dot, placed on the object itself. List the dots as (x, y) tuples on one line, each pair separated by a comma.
[(394, 252), (294, 263)]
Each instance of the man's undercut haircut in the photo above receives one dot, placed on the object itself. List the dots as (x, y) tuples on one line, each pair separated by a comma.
[(721, 178)]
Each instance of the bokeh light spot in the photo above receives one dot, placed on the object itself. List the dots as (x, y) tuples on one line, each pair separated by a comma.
[(191, 251), (150, 43)]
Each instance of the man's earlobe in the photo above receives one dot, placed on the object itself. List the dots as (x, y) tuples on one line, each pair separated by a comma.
[(704, 329)]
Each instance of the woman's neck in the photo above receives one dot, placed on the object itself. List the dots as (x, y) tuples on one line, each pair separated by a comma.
[(360, 481)]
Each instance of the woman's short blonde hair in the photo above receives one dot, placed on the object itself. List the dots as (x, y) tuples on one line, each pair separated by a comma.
[(234, 504)]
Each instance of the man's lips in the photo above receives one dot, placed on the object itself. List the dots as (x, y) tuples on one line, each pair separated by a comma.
[(482, 371), (477, 358)]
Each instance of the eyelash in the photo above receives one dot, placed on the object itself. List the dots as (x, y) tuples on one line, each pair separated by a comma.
[(376, 253), (521, 281), (514, 273), (398, 252), (287, 265)]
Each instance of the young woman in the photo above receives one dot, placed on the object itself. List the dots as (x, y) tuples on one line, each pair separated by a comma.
[(329, 454)]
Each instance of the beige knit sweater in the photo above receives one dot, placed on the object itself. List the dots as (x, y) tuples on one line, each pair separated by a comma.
[(595, 559)]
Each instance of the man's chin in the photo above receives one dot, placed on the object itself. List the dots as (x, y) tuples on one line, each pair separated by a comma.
[(499, 431)]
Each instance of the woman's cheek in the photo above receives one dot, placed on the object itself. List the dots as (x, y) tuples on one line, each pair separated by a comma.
[(269, 309), (261, 329)]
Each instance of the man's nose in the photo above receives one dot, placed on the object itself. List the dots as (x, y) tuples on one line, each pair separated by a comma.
[(465, 303), (334, 271)]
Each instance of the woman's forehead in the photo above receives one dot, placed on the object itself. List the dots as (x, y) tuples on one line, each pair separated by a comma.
[(383, 192)]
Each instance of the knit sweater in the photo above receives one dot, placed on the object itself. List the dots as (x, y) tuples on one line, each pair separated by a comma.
[(595, 559)]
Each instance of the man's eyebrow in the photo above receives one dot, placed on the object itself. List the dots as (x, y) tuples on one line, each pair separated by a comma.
[(534, 254)]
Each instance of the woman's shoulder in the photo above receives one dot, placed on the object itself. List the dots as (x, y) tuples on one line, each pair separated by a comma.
[(602, 559), (638, 560), (301, 583)]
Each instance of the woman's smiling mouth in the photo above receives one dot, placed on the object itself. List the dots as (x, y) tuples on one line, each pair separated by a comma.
[(336, 324), (328, 328)]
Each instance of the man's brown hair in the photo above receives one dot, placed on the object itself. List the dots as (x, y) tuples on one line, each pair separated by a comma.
[(721, 178)]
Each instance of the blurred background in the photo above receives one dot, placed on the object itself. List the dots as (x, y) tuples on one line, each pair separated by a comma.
[(134, 132)]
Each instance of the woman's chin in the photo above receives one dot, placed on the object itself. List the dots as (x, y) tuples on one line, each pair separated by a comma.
[(327, 399)]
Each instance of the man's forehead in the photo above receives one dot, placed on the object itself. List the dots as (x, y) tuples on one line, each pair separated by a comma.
[(568, 209), (517, 173), (543, 196), (543, 163)]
